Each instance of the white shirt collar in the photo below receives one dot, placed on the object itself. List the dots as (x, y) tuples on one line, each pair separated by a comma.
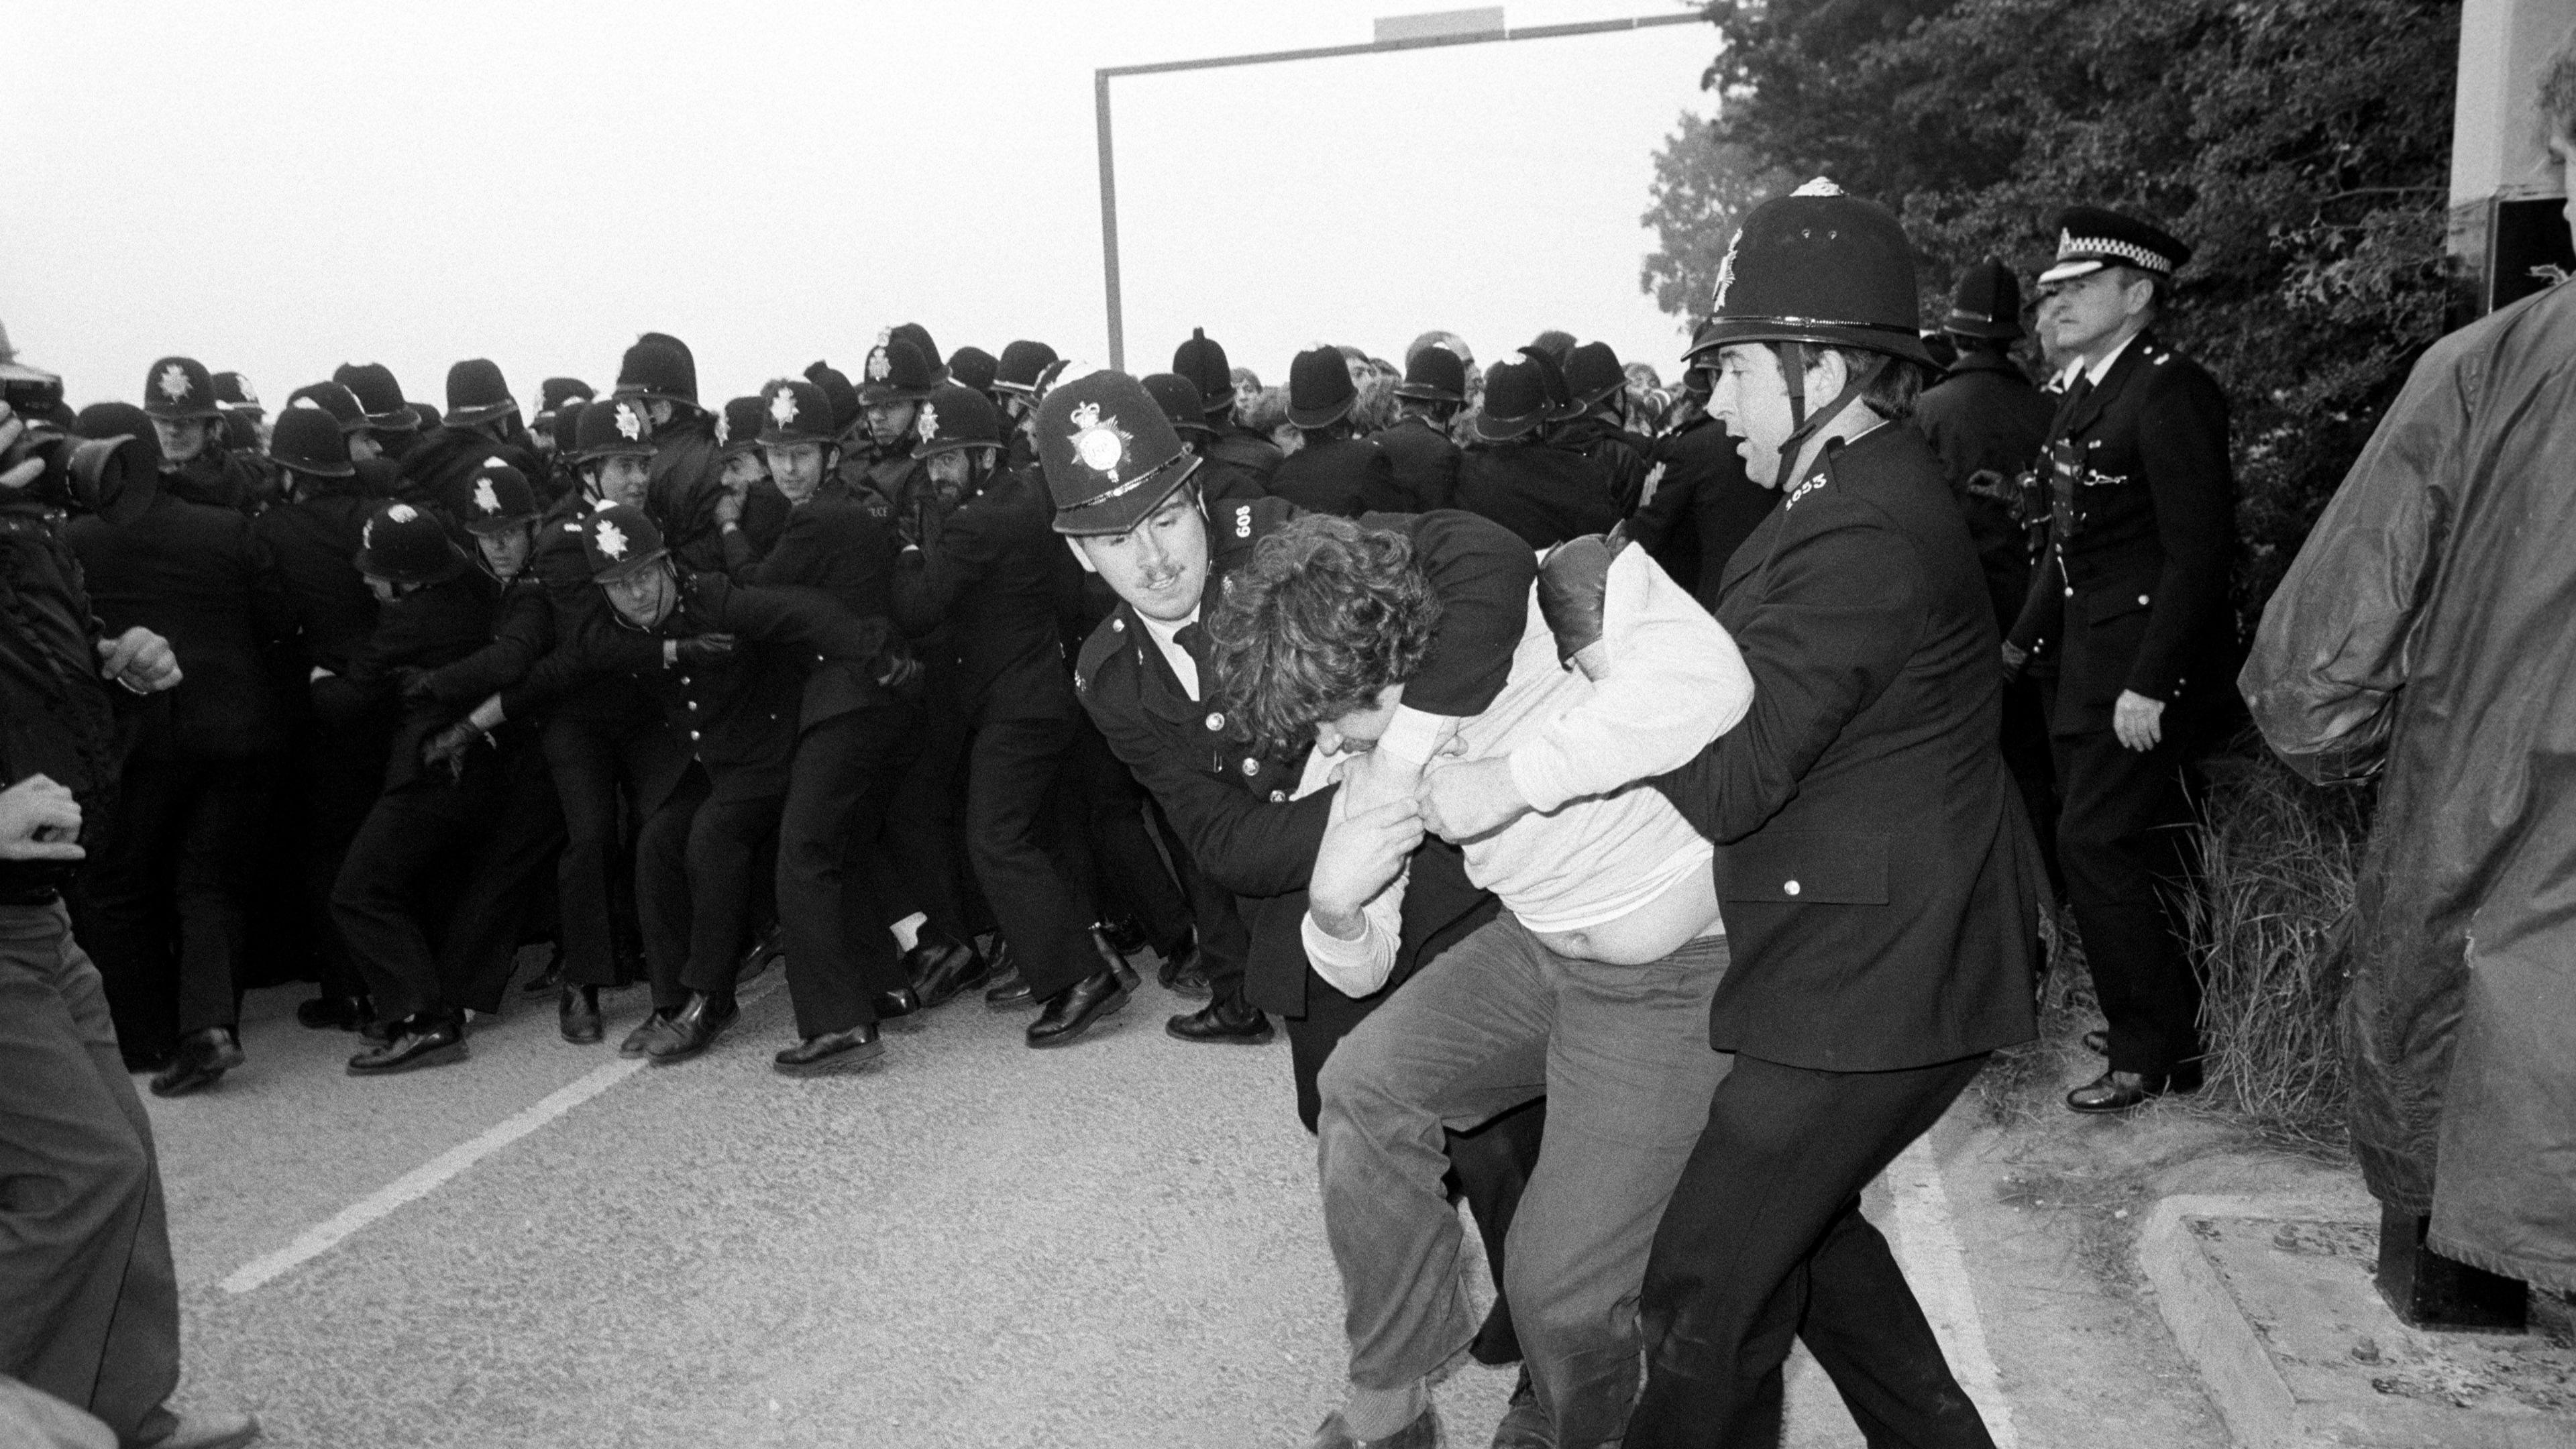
[(1164, 635)]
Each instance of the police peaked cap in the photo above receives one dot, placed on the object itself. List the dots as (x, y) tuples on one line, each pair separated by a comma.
[(476, 393), (1320, 390), (1515, 401), (1822, 267), (379, 396), (738, 426), (178, 387), (495, 496), (1110, 455), (309, 440), (1592, 372), (2090, 238), (1434, 374), (612, 428), (618, 540), (1179, 399), (406, 545), (1022, 364), (233, 393), (658, 368), (332, 398), (1986, 303), (955, 416), (794, 411), (1202, 361)]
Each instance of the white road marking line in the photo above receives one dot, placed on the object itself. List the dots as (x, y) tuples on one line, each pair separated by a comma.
[(427, 1178), (1937, 1268)]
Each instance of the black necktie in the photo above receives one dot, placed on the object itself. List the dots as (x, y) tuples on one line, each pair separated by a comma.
[(1194, 639)]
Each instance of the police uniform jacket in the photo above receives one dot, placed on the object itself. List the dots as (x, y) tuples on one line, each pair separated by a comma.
[(193, 574), (1874, 864), (1425, 463), (2132, 593), (1618, 453), (1228, 795), (218, 477), (997, 576), (1233, 443), (1546, 495), (436, 474), (844, 548), (1700, 506), (1988, 426), (434, 625), (1348, 476), (310, 541), (1220, 483)]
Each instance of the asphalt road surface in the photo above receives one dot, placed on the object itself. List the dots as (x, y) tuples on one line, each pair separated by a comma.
[(972, 1244)]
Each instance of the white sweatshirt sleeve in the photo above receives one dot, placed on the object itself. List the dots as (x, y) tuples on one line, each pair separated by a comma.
[(1674, 682), (1355, 968)]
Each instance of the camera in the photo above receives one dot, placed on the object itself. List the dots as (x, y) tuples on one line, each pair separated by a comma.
[(36, 397)]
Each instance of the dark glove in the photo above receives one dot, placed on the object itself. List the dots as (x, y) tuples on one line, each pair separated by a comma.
[(1573, 581), (448, 747), (702, 650), (415, 683)]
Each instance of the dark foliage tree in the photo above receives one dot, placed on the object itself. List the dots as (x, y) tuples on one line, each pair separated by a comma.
[(2302, 146)]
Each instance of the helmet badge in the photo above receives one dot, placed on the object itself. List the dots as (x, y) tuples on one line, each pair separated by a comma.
[(1726, 271), (880, 366), (485, 498), (928, 423), (630, 423), (174, 383), (612, 539), (782, 406), (1099, 442)]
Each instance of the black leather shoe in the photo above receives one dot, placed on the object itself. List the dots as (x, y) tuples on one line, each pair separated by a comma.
[(1070, 1012), (1126, 937), (202, 1059), (1006, 989), (939, 968), (577, 1014), (762, 954), (900, 1008), (333, 1013), (547, 979), (655, 1022), (2126, 1091), (833, 1051), (692, 1029), (1236, 1021), (2098, 1042), (1183, 972), (418, 1041), (1117, 963), (1525, 1424)]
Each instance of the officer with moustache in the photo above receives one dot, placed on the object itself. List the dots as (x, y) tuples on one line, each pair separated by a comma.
[(2131, 602), (1878, 880), (1127, 505)]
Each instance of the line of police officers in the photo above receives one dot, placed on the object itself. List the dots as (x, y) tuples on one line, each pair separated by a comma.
[(685, 690)]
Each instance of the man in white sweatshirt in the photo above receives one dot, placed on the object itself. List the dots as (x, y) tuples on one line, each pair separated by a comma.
[(1593, 987)]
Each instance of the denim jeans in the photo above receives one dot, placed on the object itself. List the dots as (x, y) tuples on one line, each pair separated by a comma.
[(1622, 1055)]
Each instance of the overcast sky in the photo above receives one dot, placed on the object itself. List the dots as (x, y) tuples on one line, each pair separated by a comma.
[(281, 187)]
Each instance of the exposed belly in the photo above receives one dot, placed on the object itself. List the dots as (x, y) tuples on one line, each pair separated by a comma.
[(1686, 911)]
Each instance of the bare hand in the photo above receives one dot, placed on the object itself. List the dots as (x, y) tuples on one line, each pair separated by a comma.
[(28, 470), (729, 505), (1464, 801), (140, 660), (2138, 721), (1364, 847), (448, 747), (39, 820), (2014, 659)]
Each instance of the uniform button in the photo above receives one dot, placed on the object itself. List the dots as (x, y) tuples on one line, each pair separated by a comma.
[(1216, 721), (2142, 598), (1790, 887), (693, 704), (1117, 626), (2070, 593), (1278, 795), (693, 734), (1252, 767)]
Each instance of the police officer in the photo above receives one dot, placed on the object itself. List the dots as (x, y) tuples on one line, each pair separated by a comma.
[(1218, 482), (240, 402), (1698, 502), (1987, 424), (1595, 383), (1545, 494), (898, 378), (333, 773), (987, 569), (195, 776), (392, 426), (552, 394), (196, 465), (1424, 456), (1335, 470), (481, 421), (1019, 376), (2131, 599), (1202, 360), (737, 710), (856, 736)]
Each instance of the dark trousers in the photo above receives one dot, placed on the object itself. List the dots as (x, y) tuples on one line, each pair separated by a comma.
[(694, 868), (839, 953), (590, 759), (2121, 838), (500, 828), (92, 1302), (921, 859), (1133, 882), (2025, 744), (1042, 908), (335, 778), (1763, 1242), (164, 900)]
